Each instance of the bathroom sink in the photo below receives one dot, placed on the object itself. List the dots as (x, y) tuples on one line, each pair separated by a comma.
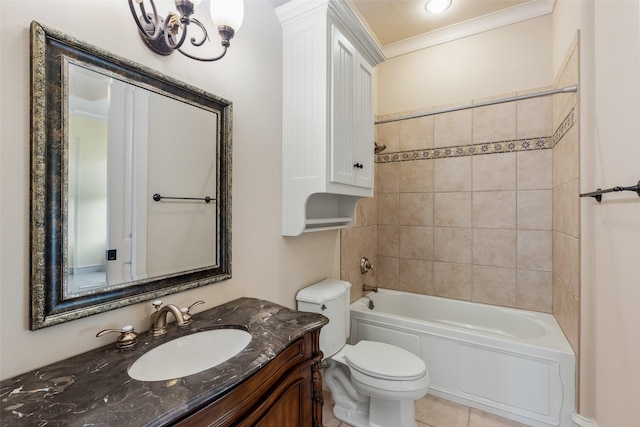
[(189, 354)]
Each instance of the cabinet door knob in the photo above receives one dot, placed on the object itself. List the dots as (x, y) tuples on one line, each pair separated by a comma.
[(358, 165)]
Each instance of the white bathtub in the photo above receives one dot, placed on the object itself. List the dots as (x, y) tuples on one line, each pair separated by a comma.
[(513, 363)]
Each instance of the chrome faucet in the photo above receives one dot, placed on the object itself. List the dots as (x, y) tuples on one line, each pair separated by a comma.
[(365, 266), (367, 288), (159, 318)]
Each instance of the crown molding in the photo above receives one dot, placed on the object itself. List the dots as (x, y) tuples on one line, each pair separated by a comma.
[(344, 13), (512, 15)]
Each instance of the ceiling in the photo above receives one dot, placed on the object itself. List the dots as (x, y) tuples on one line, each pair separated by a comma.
[(401, 26)]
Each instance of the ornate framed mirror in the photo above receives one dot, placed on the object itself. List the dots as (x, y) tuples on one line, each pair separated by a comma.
[(130, 182)]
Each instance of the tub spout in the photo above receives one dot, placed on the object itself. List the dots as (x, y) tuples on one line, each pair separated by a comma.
[(367, 288)]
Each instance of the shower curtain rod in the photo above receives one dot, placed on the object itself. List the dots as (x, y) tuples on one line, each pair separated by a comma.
[(567, 89)]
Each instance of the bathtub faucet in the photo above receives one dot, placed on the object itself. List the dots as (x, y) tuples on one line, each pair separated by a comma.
[(367, 288)]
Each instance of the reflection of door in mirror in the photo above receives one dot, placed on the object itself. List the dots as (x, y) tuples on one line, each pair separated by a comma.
[(125, 144), (87, 169), (106, 150), (127, 170)]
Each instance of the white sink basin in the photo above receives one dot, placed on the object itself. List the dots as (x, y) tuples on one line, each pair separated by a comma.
[(189, 354)]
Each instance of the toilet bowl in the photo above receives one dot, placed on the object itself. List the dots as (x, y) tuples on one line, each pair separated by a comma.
[(373, 384), (386, 371), (386, 379)]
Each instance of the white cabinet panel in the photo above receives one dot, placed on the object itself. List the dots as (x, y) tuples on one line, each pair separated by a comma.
[(363, 123), (343, 60)]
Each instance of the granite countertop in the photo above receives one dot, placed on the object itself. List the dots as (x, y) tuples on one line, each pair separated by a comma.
[(94, 389)]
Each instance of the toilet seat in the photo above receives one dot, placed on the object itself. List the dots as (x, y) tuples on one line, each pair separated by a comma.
[(387, 372), (385, 361)]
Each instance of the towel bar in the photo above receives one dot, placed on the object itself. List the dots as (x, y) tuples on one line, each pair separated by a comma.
[(598, 193)]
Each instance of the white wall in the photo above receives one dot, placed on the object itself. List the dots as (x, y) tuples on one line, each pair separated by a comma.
[(610, 231), (265, 264), (508, 59)]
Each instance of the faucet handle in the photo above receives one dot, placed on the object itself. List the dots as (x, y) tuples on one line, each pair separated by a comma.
[(186, 315), (156, 304), (127, 338), (194, 304), (365, 266)]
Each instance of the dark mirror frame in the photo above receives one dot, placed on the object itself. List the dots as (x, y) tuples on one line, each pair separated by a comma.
[(49, 51)]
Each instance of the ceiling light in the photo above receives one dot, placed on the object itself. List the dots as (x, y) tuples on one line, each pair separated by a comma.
[(165, 34), (437, 6)]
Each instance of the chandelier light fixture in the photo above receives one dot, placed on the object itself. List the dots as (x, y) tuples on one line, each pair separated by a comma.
[(437, 6), (166, 34)]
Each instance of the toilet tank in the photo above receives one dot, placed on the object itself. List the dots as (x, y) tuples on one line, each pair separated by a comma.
[(331, 298)]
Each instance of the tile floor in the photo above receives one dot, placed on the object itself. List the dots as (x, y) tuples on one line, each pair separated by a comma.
[(434, 412)]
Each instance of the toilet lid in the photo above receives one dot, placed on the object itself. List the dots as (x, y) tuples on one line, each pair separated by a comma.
[(385, 361)]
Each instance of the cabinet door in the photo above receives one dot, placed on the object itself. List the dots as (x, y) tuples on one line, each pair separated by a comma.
[(363, 123), (291, 409), (351, 115), (343, 62)]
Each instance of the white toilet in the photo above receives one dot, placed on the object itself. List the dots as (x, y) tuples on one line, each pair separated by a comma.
[(373, 384)]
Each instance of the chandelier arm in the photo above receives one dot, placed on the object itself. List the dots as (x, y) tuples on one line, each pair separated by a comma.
[(205, 36), (144, 11), (204, 59), (163, 36), (156, 26), (167, 32)]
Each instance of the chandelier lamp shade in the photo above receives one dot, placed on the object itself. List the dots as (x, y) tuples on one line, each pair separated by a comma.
[(165, 34)]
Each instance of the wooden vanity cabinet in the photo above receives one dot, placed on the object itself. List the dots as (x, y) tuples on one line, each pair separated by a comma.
[(286, 392)]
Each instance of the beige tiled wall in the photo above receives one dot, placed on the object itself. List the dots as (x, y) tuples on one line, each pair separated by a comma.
[(472, 227), (500, 228), (566, 208), (357, 242)]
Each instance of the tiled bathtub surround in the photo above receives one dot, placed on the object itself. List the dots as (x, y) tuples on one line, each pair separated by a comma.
[(482, 232), (566, 208), (463, 206)]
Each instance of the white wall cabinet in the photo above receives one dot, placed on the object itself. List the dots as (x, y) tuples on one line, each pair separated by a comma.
[(327, 150)]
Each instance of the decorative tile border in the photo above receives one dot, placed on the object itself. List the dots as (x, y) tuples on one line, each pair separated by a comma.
[(564, 127), (528, 144)]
